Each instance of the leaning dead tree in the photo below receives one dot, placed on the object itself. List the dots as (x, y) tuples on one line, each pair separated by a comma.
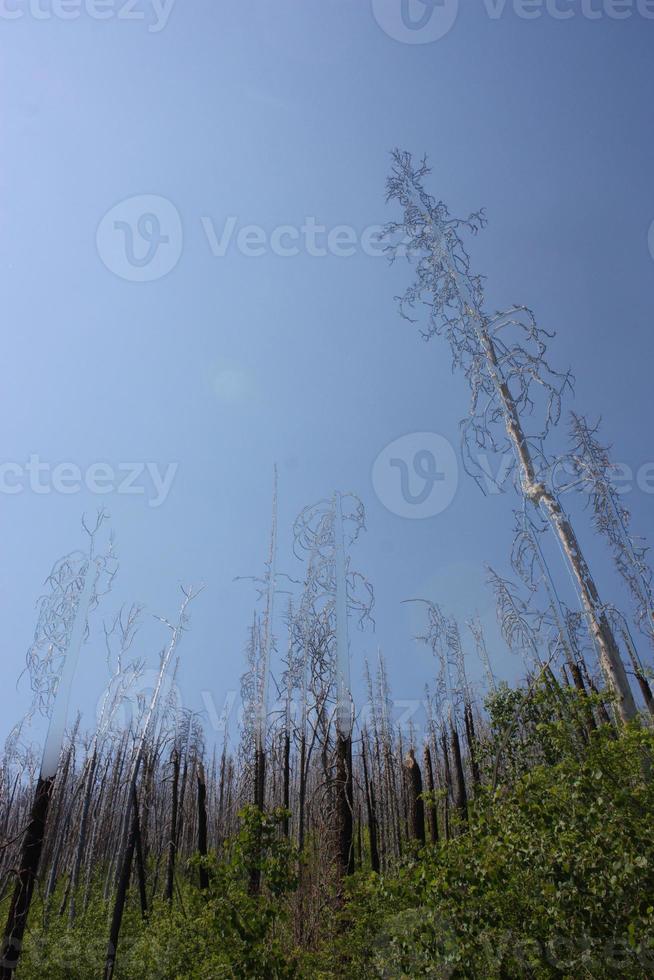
[(503, 356), (76, 584)]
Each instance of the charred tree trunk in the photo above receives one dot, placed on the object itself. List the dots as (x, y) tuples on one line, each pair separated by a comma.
[(287, 782), (25, 880), (259, 801), (202, 827), (415, 804), (302, 793), (605, 717), (460, 795), (471, 739), (371, 809), (83, 832), (140, 861), (124, 875), (344, 804), (447, 779), (643, 683), (432, 818), (172, 842)]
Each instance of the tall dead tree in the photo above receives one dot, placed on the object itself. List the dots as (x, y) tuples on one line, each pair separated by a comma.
[(334, 591), (503, 357)]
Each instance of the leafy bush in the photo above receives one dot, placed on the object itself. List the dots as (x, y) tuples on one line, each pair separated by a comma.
[(554, 879)]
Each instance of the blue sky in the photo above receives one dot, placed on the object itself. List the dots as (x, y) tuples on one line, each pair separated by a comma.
[(270, 114)]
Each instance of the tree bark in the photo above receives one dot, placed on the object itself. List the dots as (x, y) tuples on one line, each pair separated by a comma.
[(372, 811), (415, 804), (25, 880), (471, 739), (287, 782), (432, 818), (202, 826), (344, 804), (83, 831), (172, 842), (124, 875), (459, 784)]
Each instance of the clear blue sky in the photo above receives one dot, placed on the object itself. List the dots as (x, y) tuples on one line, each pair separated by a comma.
[(272, 112)]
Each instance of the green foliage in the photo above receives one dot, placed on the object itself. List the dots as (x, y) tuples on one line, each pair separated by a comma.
[(554, 879), (224, 932), (553, 876)]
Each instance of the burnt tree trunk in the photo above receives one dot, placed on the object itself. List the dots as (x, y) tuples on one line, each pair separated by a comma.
[(302, 794), (287, 782), (415, 804), (471, 739), (432, 818), (259, 801), (460, 795), (124, 875), (202, 827), (172, 842), (25, 879), (447, 780), (372, 811), (344, 804), (83, 833), (140, 861)]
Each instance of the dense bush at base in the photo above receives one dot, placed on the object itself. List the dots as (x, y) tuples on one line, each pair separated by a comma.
[(554, 877)]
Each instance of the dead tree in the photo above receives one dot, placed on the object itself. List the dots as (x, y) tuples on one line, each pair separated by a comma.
[(503, 358), (60, 632), (172, 840), (126, 856), (416, 806), (432, 814), (334, 591), (202, 826), (371, 805)]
